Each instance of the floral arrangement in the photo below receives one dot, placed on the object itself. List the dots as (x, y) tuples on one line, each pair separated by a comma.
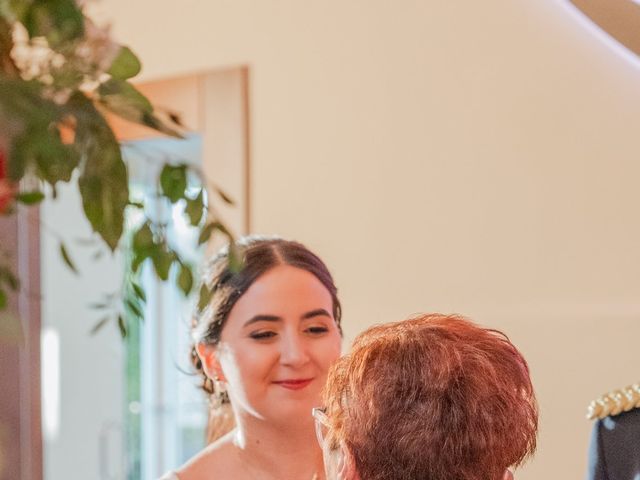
[(60, 77)]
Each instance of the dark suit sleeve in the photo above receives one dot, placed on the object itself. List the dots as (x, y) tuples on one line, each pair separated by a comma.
[(597, 469)]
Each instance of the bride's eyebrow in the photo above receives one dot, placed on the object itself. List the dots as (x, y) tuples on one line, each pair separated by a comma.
[(262, 318), (318, 312)]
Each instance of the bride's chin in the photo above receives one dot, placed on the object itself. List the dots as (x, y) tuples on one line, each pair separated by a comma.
[(293, 417)]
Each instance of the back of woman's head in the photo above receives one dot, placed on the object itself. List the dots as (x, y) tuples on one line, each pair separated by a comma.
[(230, 273), (435, 397)]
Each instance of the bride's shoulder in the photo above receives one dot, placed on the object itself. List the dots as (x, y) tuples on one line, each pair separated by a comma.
[(213, 458)]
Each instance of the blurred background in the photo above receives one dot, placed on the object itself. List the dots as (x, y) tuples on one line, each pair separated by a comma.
[(471, 157)]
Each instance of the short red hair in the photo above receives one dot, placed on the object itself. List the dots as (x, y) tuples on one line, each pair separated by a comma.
[(434, 397)]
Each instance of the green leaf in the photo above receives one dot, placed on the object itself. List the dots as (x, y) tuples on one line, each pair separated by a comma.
[(67, 258), (26, 104), (3, 299), (41, 147), (142, 245), (125, 65), (143, 238), (134, 308), (175, 118), (124, 100), (225, 198), (103, 180), (206, 232), (30, 198), (55, 160), (67, 77), (122, 326), (139, 292), (98, 306), (151, 120), (20, 157), (185, 280), (204, 297), (195, 209), (235, 259), (101, 323), (162, 261), (173, 181), (137, 260), (57, 20)]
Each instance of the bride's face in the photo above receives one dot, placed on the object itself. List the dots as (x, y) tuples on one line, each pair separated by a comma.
[(277, 345)]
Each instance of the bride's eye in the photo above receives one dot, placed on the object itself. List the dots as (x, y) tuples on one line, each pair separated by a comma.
[(262, 335), (317, 330)]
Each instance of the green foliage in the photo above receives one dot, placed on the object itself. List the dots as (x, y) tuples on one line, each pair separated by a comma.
[(138, 292), (30, 198), (103, 180), (39, 149), (8, 281), (204, 297), (122, 326), (124, 100), (195, 208), (101, 323), (57, 20), (185, 280), (162, 259), (67, 258), (173, 181), (225, 198), (125, 65), (205, 233), (52, 113)]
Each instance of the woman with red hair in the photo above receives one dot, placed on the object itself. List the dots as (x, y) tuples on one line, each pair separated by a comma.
[(432, 398)]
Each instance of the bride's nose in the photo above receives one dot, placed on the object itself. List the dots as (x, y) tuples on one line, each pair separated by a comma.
[(293, 350)]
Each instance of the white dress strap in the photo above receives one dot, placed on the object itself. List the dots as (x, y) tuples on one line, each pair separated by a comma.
[(169, 476)]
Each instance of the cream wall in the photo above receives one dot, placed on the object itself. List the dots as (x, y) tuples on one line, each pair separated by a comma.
[(477, 157)]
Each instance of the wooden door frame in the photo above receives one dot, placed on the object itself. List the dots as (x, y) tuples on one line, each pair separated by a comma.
[(20, 402)]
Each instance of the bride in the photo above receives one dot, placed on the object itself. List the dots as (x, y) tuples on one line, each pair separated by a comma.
[(264, 345)]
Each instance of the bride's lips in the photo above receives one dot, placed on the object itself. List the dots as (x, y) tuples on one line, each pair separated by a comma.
[(294, 383)]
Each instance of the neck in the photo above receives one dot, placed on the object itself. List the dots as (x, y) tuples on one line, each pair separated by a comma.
[(282, 450)]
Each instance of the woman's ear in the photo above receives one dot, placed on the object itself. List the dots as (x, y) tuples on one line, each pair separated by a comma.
[(209, 357)]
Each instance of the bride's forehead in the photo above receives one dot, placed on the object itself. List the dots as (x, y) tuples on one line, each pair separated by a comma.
[(284, 278), (284, 289)]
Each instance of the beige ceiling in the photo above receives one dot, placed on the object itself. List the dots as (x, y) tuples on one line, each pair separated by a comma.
[(619, 18)]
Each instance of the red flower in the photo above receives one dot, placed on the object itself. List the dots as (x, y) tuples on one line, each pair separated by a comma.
[(8, 189)]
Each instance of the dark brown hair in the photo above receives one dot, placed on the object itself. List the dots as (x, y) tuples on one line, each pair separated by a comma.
[(432, 398)]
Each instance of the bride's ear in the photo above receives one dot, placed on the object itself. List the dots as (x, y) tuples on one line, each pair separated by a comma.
[(507, 475), (210, 363)]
